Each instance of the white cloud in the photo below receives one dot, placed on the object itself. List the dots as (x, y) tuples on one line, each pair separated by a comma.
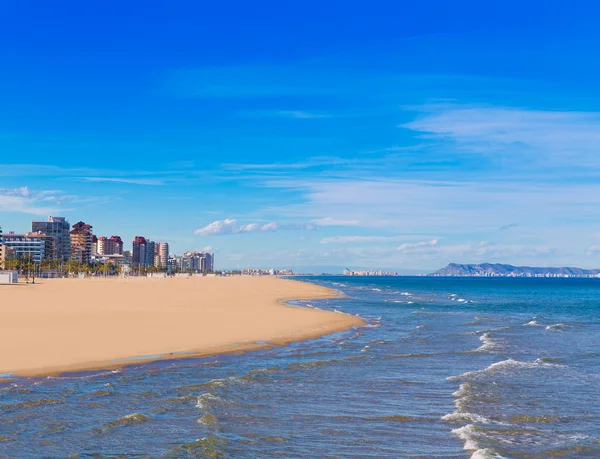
[(412, 247), (24, 200), (351, 239), (130, 181), (593, 250), (331, 221), (300, 114), (227, 226), (565, 137), (230, 226)]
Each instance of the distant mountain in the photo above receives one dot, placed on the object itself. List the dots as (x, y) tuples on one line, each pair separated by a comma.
[(497, 269)]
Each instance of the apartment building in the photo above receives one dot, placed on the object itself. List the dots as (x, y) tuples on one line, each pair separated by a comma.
[(59, 229)]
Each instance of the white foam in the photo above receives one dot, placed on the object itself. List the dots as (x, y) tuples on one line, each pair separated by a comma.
[(465, 417), (461, 300), (467, 434), (462, 390), (406, 294), (486, 454), (556, 327), (503, 365), (533, 323), (489, 343), (204, 398)]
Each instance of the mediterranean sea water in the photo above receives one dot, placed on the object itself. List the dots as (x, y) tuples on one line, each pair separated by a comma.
[(445, 368)]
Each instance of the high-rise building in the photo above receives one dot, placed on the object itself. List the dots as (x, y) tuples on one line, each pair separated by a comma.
[(94, 243), (143, 253), (59, 229), (81, 242), (150, 252), (38, 246), (162, 255), (110, 246), (118, 244), (200, 262), (208, 262), (2, 254), (138, 253)]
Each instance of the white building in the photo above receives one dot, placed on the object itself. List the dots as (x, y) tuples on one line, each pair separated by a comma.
[(161, 258), (9, 277)]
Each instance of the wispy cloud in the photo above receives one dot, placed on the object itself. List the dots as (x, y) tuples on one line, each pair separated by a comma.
[(361, 239), (132, 181), (545, 138), (231, 226), (509, 226), (293, 114), (331, 221), (593, 250), (412, 247), (24, 200)]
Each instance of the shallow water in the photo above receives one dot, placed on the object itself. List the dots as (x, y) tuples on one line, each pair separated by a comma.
[(445, 368)]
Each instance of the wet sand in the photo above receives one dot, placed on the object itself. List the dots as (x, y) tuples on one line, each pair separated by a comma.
[(61, 325)]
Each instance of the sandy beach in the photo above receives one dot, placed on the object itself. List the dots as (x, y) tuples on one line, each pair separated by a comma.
[(60, 325)]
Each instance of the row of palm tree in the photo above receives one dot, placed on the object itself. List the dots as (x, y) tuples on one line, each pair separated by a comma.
[(27, 266)]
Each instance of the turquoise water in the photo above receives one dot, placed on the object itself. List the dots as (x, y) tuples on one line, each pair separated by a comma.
[(445, 368)]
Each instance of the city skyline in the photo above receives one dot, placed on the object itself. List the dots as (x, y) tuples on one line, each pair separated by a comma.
[(401, 139), (55, 242)]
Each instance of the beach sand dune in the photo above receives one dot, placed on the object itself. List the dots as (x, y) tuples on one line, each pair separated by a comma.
[(61, 325)]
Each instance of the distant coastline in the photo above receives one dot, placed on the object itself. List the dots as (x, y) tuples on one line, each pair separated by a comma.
[(503, 270)]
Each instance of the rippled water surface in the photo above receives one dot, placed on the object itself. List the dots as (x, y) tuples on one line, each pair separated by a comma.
[(445, 368)]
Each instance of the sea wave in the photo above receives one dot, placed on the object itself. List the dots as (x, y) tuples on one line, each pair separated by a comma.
[(533, 323), (468, 434), (503, 366)]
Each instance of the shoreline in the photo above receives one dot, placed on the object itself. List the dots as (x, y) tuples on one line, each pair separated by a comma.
[(230, 296)]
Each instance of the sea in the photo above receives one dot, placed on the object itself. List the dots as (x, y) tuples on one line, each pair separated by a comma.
[(444, 368)]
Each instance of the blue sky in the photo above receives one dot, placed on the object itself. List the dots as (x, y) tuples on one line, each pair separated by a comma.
[(401, 135)]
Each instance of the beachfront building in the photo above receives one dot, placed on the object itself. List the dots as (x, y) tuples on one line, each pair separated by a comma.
[(94, 244), (81, 242), (161, 256), (198, 262), (59, 229), (150, 252), (2, 254), (117, 260), (143, 252), (37, 246), (138, 252), (110, 246), (267, 272)]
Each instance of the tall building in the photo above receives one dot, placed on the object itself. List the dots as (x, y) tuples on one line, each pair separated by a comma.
[(38, 246), (208, 262), (81, 242), (200, 262), (150, 253), (59, 229), (2, 254), (138, 252), (143, 253), (118, 244), (94, 243), (161, 255), (110, 246)]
